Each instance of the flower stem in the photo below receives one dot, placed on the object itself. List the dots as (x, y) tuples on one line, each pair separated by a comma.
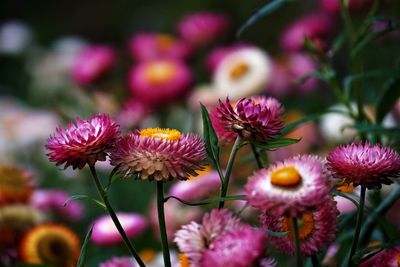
[(225, 182), (315, 261), (260, 162), (161, 223), (297, 242), (114, 218), (358, 225)]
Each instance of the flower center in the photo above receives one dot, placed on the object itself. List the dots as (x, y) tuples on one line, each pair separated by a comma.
[(167, 134), (205, 171), (183, 260), (239, 70), (306, 225), (147, 255), (286, 177), (14, 184), (160, 72), (164, 42), (346, 188), (53, 249)]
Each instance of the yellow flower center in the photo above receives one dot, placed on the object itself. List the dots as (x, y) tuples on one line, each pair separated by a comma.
[(164, 41), (183, 260), (286, 177), (14, 185), (346, 188), (147, 255), (206, 170), (167, 134), (306, 225), (239, 70), (160, 72)]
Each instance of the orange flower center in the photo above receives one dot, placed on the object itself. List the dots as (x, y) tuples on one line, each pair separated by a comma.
[(206, 170), (306, 225), (346, 188), (183, 260), (286, 177), (167, 134), (239, 70), (160, 72), (147, 255), (164, 41)]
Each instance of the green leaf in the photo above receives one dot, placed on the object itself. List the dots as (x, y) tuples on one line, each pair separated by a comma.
[(339, 42), (376, 129), (294, 125), (387, 99), (206, 201), (82, 256), (113, 176), (263, 11), (76, 197), (276, 143), (361, 252), (210, 137), (338, 193), (277, 234)]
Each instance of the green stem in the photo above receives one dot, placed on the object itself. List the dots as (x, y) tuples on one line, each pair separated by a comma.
[(315, 261), (161, 223), (360, 213), (260, 163), (114, 218), (225, 182), (297, 242)]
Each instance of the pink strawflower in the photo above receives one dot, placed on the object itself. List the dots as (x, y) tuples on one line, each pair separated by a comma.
[(387, 258), (145, 46), (159, 81), (160, 154), (256, 118), (91, 63), (197, 188), (315, 27), (333, 6), (317, 228), (133, 112), (194, 239), (224, 135), (290, 187), (105, 233), (54, 200), (364, 164), (216, 55), (241, 248), (84, 143), (119, 262), (203, 28)]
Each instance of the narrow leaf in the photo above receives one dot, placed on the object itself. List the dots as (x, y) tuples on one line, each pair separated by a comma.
[(338, 193), (277, 234), (294, 125), (210, 137), (387, 99), (276, 143), (206, 201), (376, 129), (360, 253), (76, 197), (339, 42), (113, 176), (82, 256)]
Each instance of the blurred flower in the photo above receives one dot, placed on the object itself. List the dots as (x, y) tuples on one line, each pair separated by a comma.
[(133, 112), (196, 188), (204, 94), (343, 204), (54, 200), (387, 258), (16, 185), (256, 118), (242, 73), (317, 228), (155, 46), (160, 81), (364, 164), (216, 55), (315, 27), (50, 244), (15, 37), (85, 143), (194, 239), (119, 262), (240, 248), (91, 63), (333, 6), (287, 71), (290, 187), (160, 154), (105, 233), (158, 261), (203, 27)]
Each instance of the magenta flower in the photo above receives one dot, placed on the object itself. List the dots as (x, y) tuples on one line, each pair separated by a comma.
[(160, 154), (85, 143), (203, 27), (387, 258), (105, 233), (256, 118), (118, 262), (317, 228), (154, 46), (160, 81), (91, 63), (53, 200), (133, 112), (364, 164), (241, 248), (315, 27), (194, 239), (290, 187), (333, 6)]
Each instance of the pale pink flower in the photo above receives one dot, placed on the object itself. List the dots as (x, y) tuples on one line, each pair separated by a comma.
[(119, 262), (132, 113), (216, 55)]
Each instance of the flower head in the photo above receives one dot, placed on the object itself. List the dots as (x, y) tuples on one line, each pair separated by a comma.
[(216, 55), (159, 81), (85, 143), (290, 187), (146, 46), (50, 244), (202, 28), (317, 228), (256, 118), (91, 63), (364, 164), (119, 262), (160, 154), (105, 233), (16, 185)]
